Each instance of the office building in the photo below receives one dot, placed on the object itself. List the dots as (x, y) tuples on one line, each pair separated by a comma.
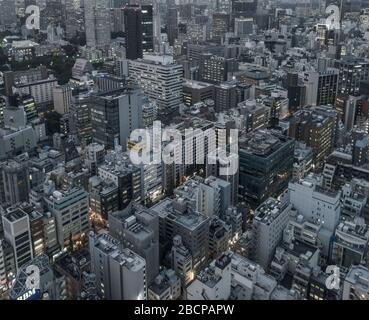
[(350, 244), (211, 196), (7, 266), (97, 23), (176, 217), (120, 273), (15, 180), (317, 130), (266, 161), (118, 169), (214, 282), (161, 80), (114, 115), (220, 26), (355, 285), (167, 286), (17, 232), (147, 12), (352, 71), (172, 25), (181, 261), (70, 209), (315, 203), (133, 29), (137, 228), (215, 69), (243, 27), (256, 115), (271, 217), (62, 96), (197, 91), (225, 96), (321, 87)]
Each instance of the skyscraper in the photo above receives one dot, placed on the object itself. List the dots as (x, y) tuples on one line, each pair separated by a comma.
[(134, 33), (147, 28), (97, 23), (172, 24)]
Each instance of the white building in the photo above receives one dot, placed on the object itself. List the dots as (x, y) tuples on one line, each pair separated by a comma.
[(181, 260), (315, 203), (120, 274), (356, 284), (167, 286), (62, 96), (41, 90), (214, 282), (70, 209), (271, 218), (17, 232), (161, 80)]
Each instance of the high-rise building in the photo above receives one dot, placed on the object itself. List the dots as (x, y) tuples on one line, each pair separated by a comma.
[(352, 71), (177, 217), (317, 129), (244, 8), (133, 26), (350, 244), (17, 232), (271, 217), (137, 228), (62, 96), (356, 284), (243, 27), (321, 87), (220, 26), (214, 282), (97, 23), (196, 91), (118, 169), (296, 92), (225, 96), (266, 161), (147, 12), (15, 179), (181, 261), (256, 114), (114, 115), (215, 69), (70, 209), (172, 24), (161, 80), (120, 273), (7, 265), (315, 203), (210, 196)]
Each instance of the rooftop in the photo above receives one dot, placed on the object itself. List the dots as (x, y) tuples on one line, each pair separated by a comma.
[(262, 142), (269, 210)]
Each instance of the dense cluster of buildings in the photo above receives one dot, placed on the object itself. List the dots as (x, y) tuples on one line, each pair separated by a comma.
[(91, 223)]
